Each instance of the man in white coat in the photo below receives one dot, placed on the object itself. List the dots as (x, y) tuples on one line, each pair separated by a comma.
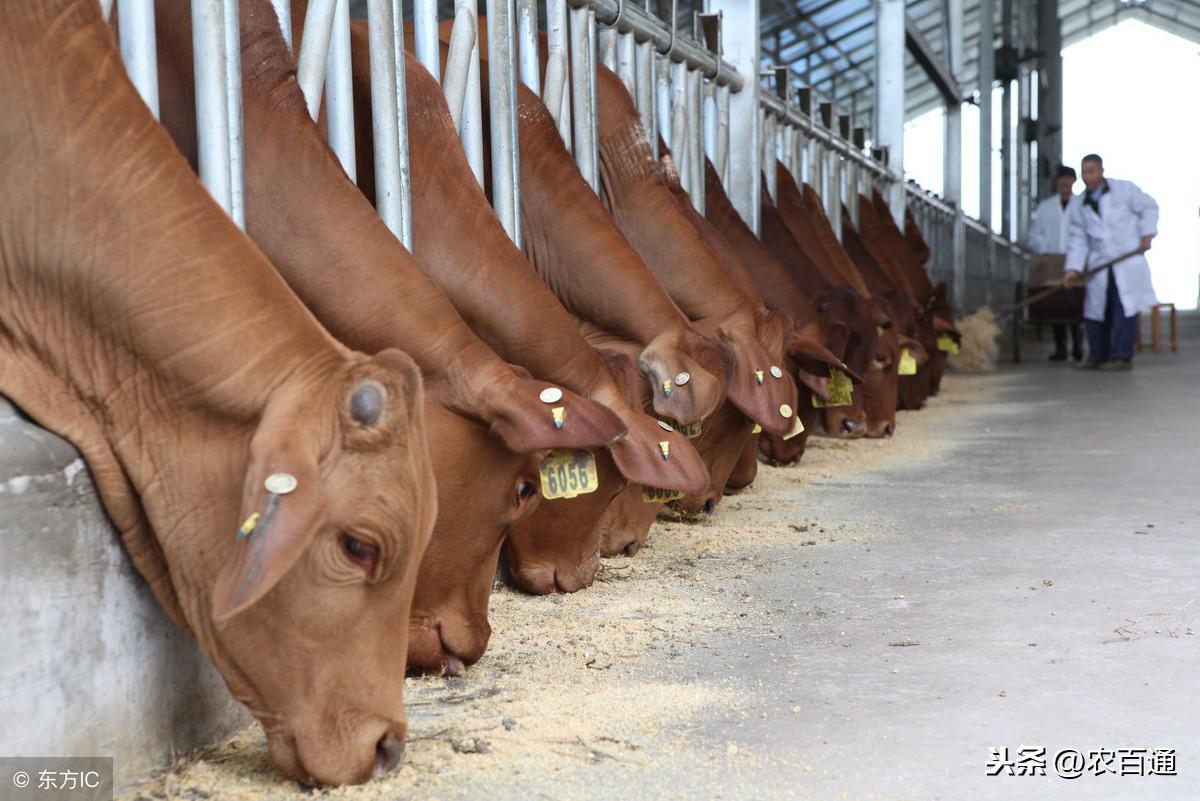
[(1111, 218), (1050, 233)]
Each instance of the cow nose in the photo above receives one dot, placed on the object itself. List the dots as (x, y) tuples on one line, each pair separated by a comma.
[(853, 428), (889, 429), (710, 505), (388, 752)]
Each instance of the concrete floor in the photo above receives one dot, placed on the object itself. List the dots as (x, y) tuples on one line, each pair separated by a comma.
[(1047, 565), (1029, 580)]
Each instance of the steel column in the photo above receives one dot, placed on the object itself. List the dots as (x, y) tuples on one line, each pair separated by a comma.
[(1050, 99), (889, 96), (987, 69), (231, 33), (557, 35), (283, 11), (740, 38)]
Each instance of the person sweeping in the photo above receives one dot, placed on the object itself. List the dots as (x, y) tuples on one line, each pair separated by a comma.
[(1111, 218)]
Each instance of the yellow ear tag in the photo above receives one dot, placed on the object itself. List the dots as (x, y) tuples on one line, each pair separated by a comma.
[(560, 414), (797, 429), (248, 527), (656, 495), (691, 430), (908, 364), (665, 447), (879, 330), (567, 473), (946, 343), (759, 375), (667, 387), (840, 391), (757, 429)]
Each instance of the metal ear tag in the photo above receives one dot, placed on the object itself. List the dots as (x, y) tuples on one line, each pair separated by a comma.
[(776, 372), (280, 483), (665, 447), (759, 375), (560, 414)]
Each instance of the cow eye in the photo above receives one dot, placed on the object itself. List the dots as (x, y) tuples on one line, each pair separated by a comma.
[(525, 491), (361, 553)]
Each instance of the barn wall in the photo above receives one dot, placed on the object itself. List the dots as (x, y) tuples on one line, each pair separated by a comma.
[(89, 664)]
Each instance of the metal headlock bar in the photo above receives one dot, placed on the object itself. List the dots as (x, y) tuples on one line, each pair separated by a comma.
[(686, 92)]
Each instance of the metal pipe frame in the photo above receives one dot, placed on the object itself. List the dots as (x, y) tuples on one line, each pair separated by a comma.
[(471, 129), (502, 106), (527, 45), (629, 18), (231, 29), (138, 48), (816, 132), (458, 65), (314, 49), (606, 46), (646, 90), (680, 120), (401, 87), (339, 91), (627, 62), (583, 93), (283, 12), (695, 138), (425, 37), (212, 107), (557, 36), (384, 112)]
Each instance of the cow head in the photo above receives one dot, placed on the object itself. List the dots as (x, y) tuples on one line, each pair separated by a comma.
[(486, 485), (308, 609), (842, 308)]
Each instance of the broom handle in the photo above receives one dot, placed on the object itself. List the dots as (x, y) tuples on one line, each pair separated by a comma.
[(1086, 276)]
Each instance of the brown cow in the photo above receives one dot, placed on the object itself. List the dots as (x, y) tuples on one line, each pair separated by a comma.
[(793, 243), (139, 323), (800, 294), (336, 253)]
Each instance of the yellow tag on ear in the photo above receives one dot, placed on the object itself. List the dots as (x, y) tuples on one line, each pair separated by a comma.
[(665, 447), (946, 343), (840, 390), (879, 330), (797, 429), (248, 527), (559, 413), (758, 375), (566, 473), (757, 429), (667, 387), (656, 495), (908, 364)]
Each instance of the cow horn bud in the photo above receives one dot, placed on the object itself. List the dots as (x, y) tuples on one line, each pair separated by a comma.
[(366, 402)]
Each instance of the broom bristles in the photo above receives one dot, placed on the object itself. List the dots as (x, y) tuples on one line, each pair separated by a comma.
[(979, 347)]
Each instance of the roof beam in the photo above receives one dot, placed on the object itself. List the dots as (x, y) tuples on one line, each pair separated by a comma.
[(934, 67)]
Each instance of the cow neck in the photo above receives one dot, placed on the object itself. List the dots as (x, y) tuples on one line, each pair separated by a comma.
[(823, 228), (138, 322), (875, 240), (791, 213), (322, 234), (575, 245), (778, 286), (920, 285), (460, 243), (784, 247), (638, 197)]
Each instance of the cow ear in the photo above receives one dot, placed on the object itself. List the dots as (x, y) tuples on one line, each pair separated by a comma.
[(916, 349), (283, 508), (531, 415), (815, 358)]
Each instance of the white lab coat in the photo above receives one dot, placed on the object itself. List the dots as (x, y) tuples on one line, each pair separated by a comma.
[(1126, 215), (1050, 230)]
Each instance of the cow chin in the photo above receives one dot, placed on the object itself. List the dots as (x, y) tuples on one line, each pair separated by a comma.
[(438, 646), (625, 525)]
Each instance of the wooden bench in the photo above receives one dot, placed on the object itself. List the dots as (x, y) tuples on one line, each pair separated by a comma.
[(1156, 327)]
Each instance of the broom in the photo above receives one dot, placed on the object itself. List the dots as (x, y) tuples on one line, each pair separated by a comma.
[(980, 330)]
